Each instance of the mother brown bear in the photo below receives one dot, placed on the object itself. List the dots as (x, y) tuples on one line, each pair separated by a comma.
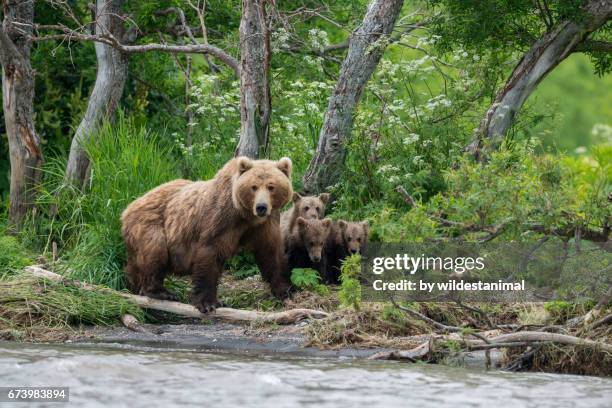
[(193, 228)]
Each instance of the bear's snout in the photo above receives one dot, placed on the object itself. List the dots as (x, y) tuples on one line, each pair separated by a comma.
[(316, 258), (354, 251), (261, 209)]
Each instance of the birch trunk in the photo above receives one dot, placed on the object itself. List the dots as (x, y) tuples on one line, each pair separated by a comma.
[(106, 94), (366, 46), (543, 56), (255, 105), (18, 96)]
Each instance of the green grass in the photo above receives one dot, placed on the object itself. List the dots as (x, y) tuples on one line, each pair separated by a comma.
[(38, 308), (126, 161), (13, 256)]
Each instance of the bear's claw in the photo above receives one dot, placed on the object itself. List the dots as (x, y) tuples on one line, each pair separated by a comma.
[(208, 307)]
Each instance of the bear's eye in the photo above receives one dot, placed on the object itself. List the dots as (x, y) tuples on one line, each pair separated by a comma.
[(358, 239), (254, 188), (270, 188), (311, 243), (349, 239), (318, 209), (306, 208)]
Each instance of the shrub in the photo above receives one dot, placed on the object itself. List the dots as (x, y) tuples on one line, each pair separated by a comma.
[(350, 288)]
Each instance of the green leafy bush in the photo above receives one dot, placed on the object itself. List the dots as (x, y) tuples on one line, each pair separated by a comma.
[(305, 278), (350, 288)]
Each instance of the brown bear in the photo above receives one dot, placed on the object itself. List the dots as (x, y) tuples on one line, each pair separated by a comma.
[(310, 207), (305, 246), (193, 228), (345, 239)]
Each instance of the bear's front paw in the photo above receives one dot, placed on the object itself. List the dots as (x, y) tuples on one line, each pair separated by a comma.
[(208, 307)]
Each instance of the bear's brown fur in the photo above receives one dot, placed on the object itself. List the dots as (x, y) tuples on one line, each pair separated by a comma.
[(345, 239), (308, 207), (305, 246), (193, 228)]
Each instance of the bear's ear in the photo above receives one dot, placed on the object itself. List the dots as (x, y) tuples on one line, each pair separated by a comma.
[(326, 223), (296, 197), (342, 224), (324, 197), (244, 164), (301, 222), (285, 166), (365, 224)]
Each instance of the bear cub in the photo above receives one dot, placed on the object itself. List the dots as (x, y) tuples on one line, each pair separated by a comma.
[(345, 239), (309, 207), (305, 246)]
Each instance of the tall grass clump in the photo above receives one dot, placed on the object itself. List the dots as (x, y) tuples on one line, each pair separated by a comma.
[(40, 309), (126, 161), (13, 256)]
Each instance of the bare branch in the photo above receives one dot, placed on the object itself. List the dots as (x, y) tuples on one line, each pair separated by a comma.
[(109, 39)]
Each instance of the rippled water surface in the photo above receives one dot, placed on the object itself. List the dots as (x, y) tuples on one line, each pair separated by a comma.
[(134, 377)]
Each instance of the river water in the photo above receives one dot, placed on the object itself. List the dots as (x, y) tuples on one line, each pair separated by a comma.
[(129, 376)]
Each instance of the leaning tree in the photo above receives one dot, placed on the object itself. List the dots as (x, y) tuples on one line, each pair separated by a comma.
[(111, 75), (365, 48), (544, 32)]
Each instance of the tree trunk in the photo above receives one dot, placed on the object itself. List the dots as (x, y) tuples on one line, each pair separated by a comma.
[(18, 95), (366, 46), (543, 56), (255, 106), (106, 94)]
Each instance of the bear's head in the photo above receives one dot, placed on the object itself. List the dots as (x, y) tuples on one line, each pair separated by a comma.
[(261, 186), (354, 235), (313, 234), (310, 207)]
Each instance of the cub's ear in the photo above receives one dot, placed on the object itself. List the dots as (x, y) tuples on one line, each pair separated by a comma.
[(285, 166), (244, 164), (326, 223), (301, 222), (296, 197), (365, 225), (342, 224), (324, 197)]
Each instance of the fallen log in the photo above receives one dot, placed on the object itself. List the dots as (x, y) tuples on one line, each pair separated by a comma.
[(509, 340), (412, 355), (537, 337), (182, 309)]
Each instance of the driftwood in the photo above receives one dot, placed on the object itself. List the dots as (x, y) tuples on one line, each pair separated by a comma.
[(538, 337), (223, 313), (412, 355), (133, 324), (509, 340)]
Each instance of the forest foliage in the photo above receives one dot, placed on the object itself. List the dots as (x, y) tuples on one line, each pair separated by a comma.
[(418, 111)]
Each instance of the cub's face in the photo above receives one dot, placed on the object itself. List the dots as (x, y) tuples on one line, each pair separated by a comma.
[(310, 207), (313, 234), (354, 235), (262, 186)]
